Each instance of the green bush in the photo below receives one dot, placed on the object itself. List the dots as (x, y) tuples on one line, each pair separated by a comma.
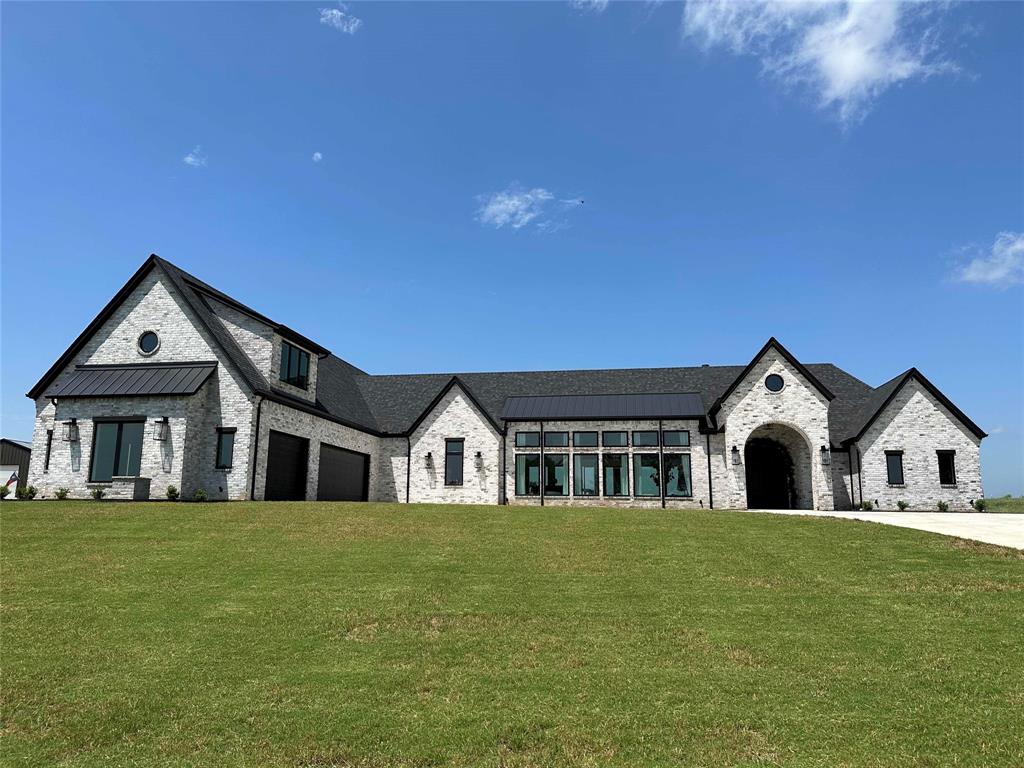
[(200, 495), (980, 505), (943, 506), (62, 493), (172, 493), (4, 490), (27, 493), (867, 506), (97, 493), (901, 505)]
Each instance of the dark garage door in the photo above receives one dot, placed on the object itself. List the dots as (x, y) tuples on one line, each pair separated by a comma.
[(344, 475), (287, 459)]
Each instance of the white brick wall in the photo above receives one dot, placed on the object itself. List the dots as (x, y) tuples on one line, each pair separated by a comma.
[(917, 424)]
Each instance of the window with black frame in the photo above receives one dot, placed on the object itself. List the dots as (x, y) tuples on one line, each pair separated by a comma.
[(615, 439), (116, 449), (528, 474), (294, 365), (527, 439), (947, 467), (677, 474), (556, 474), (672, 438), (556, 439), (584, 474), (616, 474), (647, 438), (453, 455), (225, 447), (584, 439), (894, 467), (646, 477)]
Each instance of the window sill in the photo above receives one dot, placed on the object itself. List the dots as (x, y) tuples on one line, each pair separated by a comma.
[(896, 485), (947, 485)]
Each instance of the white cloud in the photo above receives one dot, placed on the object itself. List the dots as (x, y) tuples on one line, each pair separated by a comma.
[(514, 206), (196, 158), (996, 431), (847, 52), (317, 157), (596, 6), (1001, 266), (340, 19)]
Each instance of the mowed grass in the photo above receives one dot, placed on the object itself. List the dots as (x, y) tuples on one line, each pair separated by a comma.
[(385, 635), (1005, 504)]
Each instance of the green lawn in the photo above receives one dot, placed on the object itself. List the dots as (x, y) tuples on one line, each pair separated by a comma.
[(1006, 504), (381, 635)]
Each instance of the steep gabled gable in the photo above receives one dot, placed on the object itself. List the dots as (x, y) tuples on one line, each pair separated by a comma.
[(455, 381)]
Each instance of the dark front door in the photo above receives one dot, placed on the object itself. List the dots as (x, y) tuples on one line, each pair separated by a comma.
[(769, 475), (287, 459), (344, 475)]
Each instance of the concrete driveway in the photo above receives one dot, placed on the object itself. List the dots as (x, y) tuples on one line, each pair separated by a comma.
[(1006, 530)]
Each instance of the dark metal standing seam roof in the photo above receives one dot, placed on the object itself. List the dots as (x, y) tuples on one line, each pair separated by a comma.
[(135, 380), (624, 406)]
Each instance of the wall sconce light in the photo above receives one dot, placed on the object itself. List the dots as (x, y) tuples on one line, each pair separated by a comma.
[(429, 460), (735, 455), (826, 455), (479, 462), (70, 433), (161, 429)]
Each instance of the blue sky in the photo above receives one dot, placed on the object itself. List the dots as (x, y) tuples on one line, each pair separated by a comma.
[(403, 182)]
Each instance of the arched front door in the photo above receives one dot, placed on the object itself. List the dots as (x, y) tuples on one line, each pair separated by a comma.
[(778, 469)]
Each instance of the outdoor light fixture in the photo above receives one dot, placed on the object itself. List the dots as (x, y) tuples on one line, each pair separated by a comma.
[(71, 431), (735, 455), (479, 460), (161, 429), (826, 455), (429, 458)]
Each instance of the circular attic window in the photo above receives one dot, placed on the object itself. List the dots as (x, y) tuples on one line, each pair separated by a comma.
[(774, 382), (149, 343)]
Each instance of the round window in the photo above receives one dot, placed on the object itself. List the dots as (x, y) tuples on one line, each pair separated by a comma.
[(774, 382), (148, 343)]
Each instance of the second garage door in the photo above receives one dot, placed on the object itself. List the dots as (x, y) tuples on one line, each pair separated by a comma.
[(344, 475), (287, 459)]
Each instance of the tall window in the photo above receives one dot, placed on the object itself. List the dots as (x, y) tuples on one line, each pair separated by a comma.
[(894, 467), (225, 447), (675, 437), (556, 474), (947, 467), (584, 473), (49, 449), (527, 474), (556, 439), (584, 439), (614, 439), (116, 449), (294, 365), (527, 439), (677, 475), (646, 480), (453, 450), (616, 474), (645, 438)]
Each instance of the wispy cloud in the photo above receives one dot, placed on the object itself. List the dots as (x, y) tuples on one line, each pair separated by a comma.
[(846, 52), (196, 158), (514, 206), (340, 19), (996, 431), (317, 157), (593, 6), (1001, 265)]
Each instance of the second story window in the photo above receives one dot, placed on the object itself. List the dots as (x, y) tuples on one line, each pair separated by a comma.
[(294, 366)]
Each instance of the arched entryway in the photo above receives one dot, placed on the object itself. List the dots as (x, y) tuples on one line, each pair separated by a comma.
[(777, 460)]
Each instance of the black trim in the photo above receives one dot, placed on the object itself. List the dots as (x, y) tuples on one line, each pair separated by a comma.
[(49, 450), (772, 343), (408, 466), (661, 463)]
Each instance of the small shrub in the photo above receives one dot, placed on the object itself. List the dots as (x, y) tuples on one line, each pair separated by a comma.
[(172, 493), (980, 505), (200, 495), (97, 493), (943, 506), (62, 493), (27, 493), (4, 490), (901, 505), (867, 506)]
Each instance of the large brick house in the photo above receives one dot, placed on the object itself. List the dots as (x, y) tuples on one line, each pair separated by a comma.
[(176, 383)]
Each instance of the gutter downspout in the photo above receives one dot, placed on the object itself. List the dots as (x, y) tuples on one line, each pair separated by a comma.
[(860, 474), (256, 449), (661, 463), (504, 467), (711, 487), (541, 468), (408, 465)]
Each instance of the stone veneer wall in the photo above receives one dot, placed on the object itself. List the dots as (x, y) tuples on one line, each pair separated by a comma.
[(919, 425), (799, 405), (455, 416), (696, 450), (152, 306)]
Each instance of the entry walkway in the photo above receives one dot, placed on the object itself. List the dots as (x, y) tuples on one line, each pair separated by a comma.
[(1005, 530)]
